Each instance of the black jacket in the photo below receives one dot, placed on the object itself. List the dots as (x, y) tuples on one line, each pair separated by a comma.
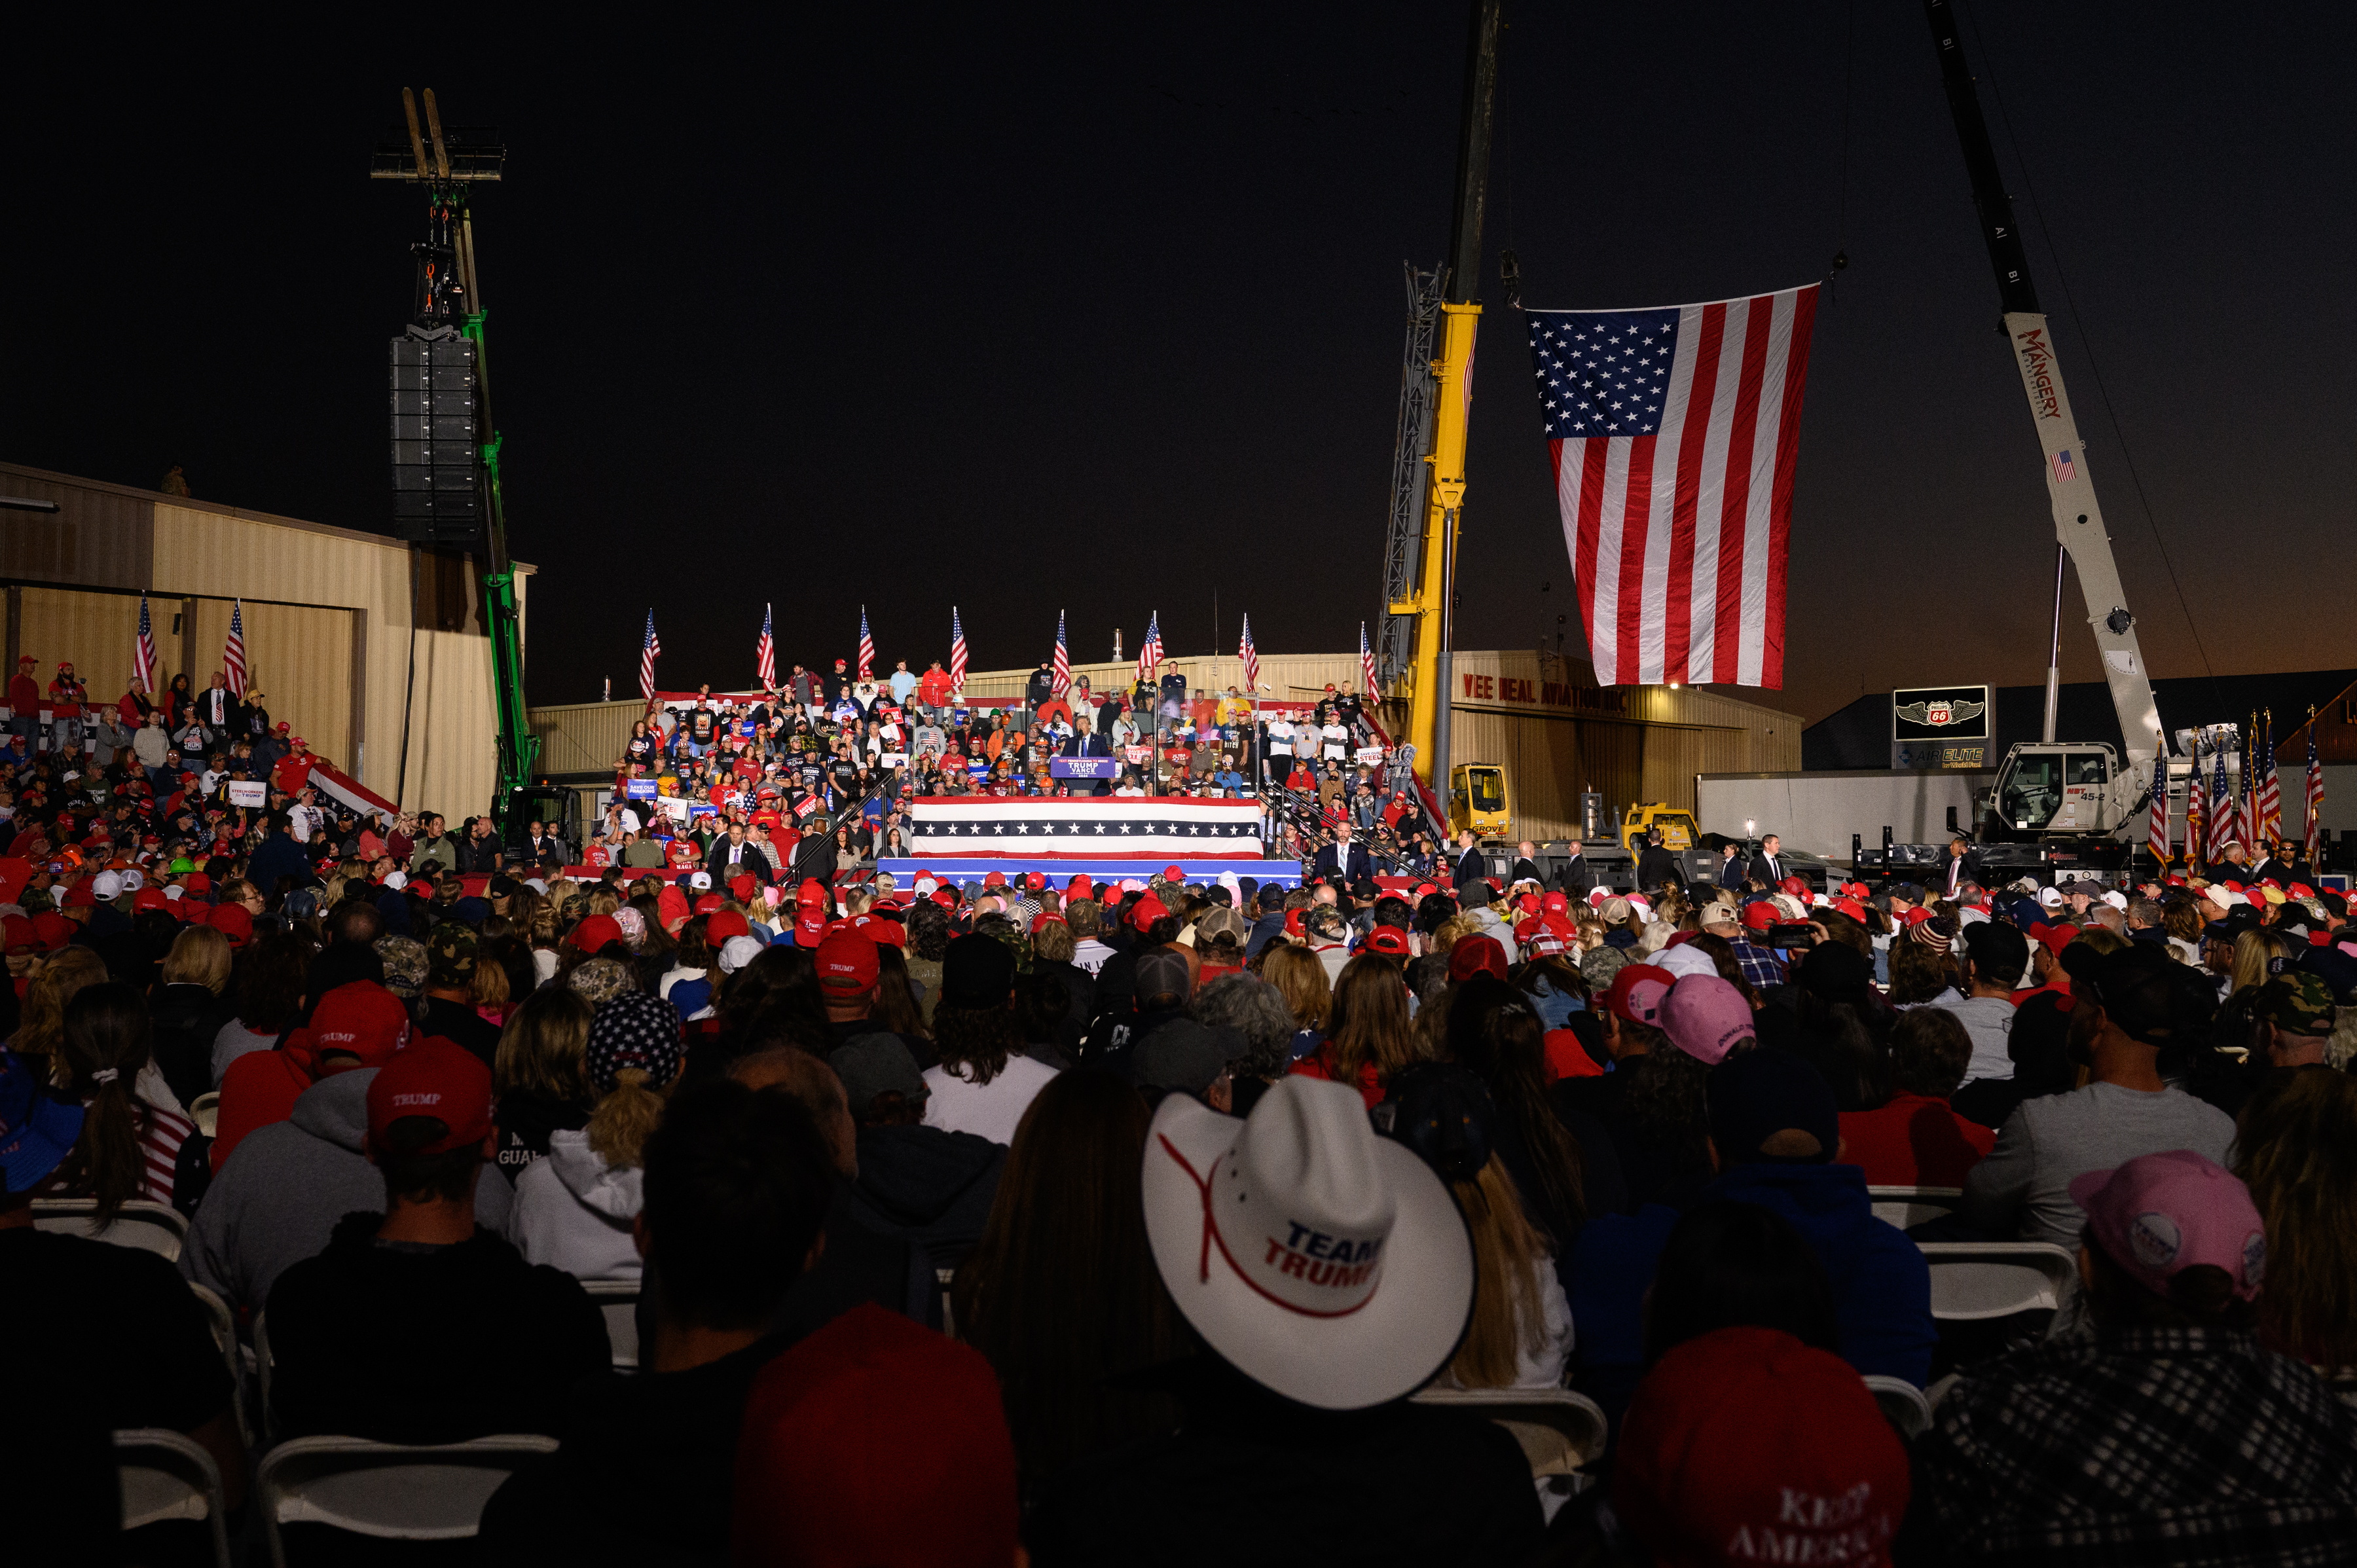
[(1472, 866), (1768, 873), (1657, 866), (752, 864), (1574, 879), (1039, 688), (925, 1185), (438, 1345), (1358, 864), (1972, 873), (185, 1020)]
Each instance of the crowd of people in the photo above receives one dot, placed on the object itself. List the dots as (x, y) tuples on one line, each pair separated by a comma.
[(1220, 1174)]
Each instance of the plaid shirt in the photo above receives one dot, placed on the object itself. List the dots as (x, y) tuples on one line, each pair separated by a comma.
[(2144, 1447), (1760, 965)]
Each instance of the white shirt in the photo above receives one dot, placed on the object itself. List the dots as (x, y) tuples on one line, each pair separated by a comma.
[(1090, 954), (1280, 738), (987, 1109)]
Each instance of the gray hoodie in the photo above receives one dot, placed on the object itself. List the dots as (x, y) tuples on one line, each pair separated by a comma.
[(284, 1186), (574, 1211)]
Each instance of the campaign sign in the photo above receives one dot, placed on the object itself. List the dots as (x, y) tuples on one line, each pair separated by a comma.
[(1370, 753), (1083, 768), (640, 789), (248, 792)]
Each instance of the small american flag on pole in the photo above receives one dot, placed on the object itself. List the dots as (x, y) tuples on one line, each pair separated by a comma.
[(1675, 432), (1059, 678), (142, 653), (232, 651), (2222, 808), (648, 648), (1366, 659), (2310, 838), (1149, 652), (2156, 830), (765, 654), (2270, 798), (866, 648), (957, 652), (2194, 852), (1251, 656)]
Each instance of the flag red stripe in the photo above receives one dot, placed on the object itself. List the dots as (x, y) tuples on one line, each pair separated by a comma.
[(1591, 518), (1779, 505), (1636, 525), (1678, 642), (1735, 501)]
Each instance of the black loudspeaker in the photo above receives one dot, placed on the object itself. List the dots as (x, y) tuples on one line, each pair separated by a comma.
[(436, 464)]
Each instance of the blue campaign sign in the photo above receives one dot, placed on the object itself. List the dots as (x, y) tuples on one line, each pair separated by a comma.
[(1084, 768), (640, 789)]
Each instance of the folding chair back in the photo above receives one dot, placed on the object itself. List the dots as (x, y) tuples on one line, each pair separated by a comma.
[(392, 1491), (166, 1476), (205, 1112), (1910, 1206), (945, 1278), (1902, 1404), (1976, 1280), (1560, 1431), (224, 1327), (262, 1370), (152, 1226), (619, 1300)]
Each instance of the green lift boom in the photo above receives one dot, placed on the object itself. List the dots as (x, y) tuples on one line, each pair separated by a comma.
[(449, 293)]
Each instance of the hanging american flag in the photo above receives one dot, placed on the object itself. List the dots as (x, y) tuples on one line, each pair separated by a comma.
[(2195, 850), (957, 652), (1366, 660), (2246, 810), (2269, 829), (2221, 809), (866, 648), (764, 655), (232, 651), (648, 650), (1673, 433), (143, 652), (2156, 828), (1059, 678), (2310, 837), (1149, 652), (1251, 656)]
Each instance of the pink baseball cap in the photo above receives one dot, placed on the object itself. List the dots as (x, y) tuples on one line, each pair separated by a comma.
[(1705, 1017), (2160, 1213)]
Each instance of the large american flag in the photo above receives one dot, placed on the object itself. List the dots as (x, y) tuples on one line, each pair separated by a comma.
[(765, 654), (957, 652), (866, 648), (2309, 840), (1251, 656), (1149, 652), (143, 652), (648, 648), (1059, 678), (1673, 433), (1366, 661), (2221, 809), (232, 651), (2269, 829)]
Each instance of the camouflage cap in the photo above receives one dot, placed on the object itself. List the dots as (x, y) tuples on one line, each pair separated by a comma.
[(2297, 1003), (1599, 965), (450, 949), (405, 966), (600, 980)]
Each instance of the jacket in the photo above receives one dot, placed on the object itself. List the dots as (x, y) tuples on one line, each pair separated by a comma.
[(152, 746), (931, 1188), (185, 1019), (573, 1211), (404, 1345), (752, 862), (275, 1203), (279, 856), (1360, 863)]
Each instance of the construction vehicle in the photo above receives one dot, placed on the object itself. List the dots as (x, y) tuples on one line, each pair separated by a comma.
[(1477, 799), (2074, 805), (1679, 834), (449, 303)]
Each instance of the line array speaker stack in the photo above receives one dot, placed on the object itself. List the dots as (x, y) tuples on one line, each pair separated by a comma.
[(436, 493)]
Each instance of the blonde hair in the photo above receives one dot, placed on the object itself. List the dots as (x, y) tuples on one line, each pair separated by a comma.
[(199, 956), (603, 900), (1507, 1258), (42, 1030), (1299, 977), (490, 986), (625, 1119), (2251, 951), (1449, 932), (543, 1046)]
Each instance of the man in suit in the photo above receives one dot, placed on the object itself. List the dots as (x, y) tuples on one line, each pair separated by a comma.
[(215, 707), (1472, 866), (540, 844), (1656, 866), (1085, 743), (1526, 863), (1767, 865), (1962, 864), (1574, 879), (1344, 857), (736, 856)]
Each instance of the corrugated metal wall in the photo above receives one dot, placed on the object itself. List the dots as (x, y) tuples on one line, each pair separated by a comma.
[(582, 738), (97, 633), (299, 657)]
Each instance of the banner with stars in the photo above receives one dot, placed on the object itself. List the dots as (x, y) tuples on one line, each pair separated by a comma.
[(1090, 828)]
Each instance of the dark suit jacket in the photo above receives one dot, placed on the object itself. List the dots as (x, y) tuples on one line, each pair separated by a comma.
[(1361, 863), (1088, 746), (752, 864), (1471, 866), (1972, 858), (1574, 878), (1768, 873)]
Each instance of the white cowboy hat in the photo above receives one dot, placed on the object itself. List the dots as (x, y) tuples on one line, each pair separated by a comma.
[(1326, 1263)]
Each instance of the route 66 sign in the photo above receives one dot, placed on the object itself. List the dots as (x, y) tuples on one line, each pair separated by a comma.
[(1945, 712)]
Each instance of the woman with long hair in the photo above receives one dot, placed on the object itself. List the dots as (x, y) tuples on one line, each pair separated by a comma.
[(128, 1147), (2295, 1149), (1300, 979), (1369, 1038), (541, 1076), (1922, 971), (41, 1026), (574, 1209), (1497, 1035), (188, 1009), (266, 984), (984, 1080), (1062, 1295)]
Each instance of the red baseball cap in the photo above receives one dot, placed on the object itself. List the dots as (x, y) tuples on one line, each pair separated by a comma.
[(1386, 940), (20, 936), (848, 962), (812, 891), (1174, 874), (708, 903), (1746, 1445), (54, 930), (1555, 904), (1035, 881), (2054, 939), (592, 934), (1759, 916), (1636, 992), (741, 885), (881, 931), (994, 879), (1080, 888), (233, 922), (1475, 955), (1794, 886), (437, 1078), (724, 924), (1046, 918), (1147, 910), (360, 1018)]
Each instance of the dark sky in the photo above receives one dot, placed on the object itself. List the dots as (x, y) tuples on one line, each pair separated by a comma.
[(1099, 309)]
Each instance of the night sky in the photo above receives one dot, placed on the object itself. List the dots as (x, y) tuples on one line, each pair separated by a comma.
[(1101, 310)]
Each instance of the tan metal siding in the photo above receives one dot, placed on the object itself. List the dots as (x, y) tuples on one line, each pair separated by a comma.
[(582, 738), (299, 657), (97, 633), (97, 539)]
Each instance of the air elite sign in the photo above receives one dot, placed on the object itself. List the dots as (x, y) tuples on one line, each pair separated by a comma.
[(1940, 726)]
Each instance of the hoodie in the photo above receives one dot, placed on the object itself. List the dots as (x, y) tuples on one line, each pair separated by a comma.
[(927, 1186), (276, 1203), (574, 1211), (408, 1343)]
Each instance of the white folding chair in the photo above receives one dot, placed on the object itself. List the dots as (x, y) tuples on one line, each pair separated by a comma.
[(390, 1492), (1561, 1431), (166, 1476), (1977, 1280), (1902, 1404), (619, 1300), (224, 1327), (156, 1228), (205, 1112), (262, 1370), (1910, 1206)]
